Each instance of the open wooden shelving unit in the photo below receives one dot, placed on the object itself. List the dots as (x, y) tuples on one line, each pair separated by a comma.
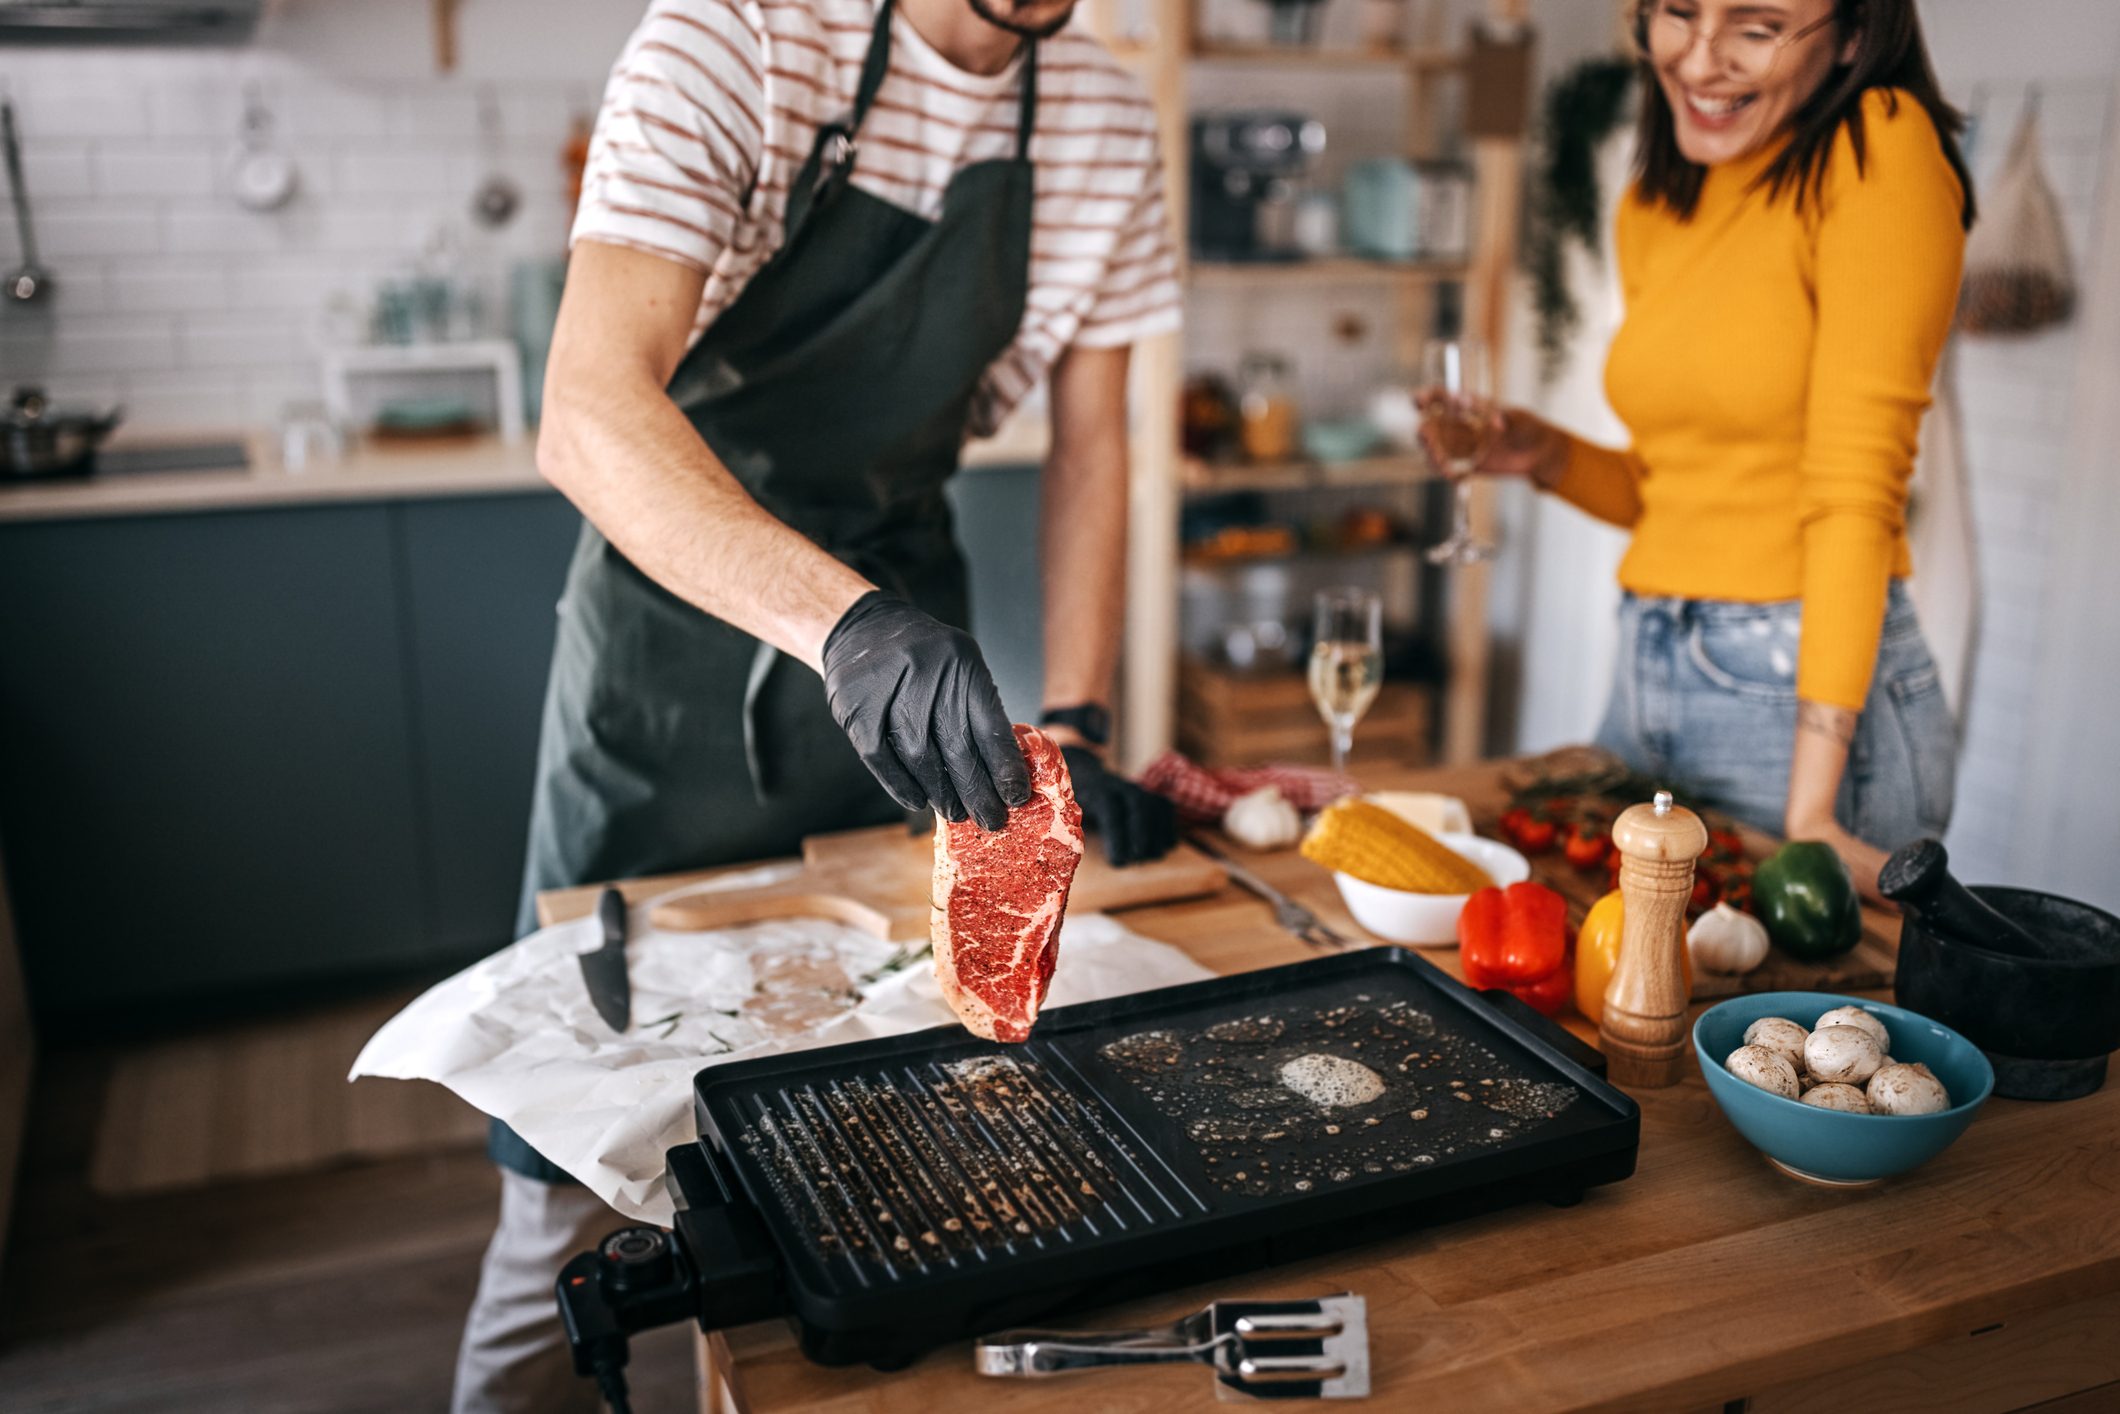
[(1338, 270), (1161, 53), (1198, 478)]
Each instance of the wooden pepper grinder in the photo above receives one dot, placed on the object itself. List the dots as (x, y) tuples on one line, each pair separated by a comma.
[(1643, 1030)]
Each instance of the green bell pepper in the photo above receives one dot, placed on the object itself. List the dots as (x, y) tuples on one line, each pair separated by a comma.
[(1806, 897)]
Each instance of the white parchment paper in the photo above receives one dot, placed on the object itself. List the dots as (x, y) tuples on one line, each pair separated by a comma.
[(515, 1035)]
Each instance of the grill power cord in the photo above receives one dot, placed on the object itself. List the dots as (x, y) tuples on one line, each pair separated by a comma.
[(636, 1278), (611, 1383)]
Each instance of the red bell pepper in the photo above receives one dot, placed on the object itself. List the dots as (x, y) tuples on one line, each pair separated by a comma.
[(1551, 993), (1508, 938)]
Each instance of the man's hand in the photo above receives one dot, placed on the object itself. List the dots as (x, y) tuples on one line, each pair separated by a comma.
[(915, 698), (1135, 823)]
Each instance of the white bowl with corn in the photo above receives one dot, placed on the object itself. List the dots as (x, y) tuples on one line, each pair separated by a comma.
[(1401, 882)]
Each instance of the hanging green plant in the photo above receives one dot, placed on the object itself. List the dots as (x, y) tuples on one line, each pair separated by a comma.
[(1581, 108)]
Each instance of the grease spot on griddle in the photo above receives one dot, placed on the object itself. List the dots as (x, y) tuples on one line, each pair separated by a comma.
[(1275, 1102), (1331, 1082)]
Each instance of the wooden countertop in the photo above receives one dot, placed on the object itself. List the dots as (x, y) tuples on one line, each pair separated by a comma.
[(370, 471), (1706, 1277)]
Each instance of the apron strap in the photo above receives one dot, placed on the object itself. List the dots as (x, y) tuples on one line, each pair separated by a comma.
[(1027, 108), (874, 65), (838, 144), (763, 657)]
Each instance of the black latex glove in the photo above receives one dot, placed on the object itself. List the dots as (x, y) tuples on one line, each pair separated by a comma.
[(1136, 823), (915, 698)]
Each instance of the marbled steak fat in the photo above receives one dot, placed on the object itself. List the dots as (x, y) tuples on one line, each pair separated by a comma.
[(998, 899)]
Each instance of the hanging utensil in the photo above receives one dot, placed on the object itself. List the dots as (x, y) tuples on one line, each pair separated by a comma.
[(30, 281), (498, 198), (262, 175)]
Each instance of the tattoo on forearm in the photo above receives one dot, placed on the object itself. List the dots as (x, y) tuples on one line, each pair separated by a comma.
[(1837, 723)]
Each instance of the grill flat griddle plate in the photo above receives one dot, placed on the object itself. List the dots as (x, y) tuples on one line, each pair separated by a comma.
[(929, 1186)]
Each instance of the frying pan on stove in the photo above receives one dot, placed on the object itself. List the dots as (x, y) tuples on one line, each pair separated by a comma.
[(38, 440)]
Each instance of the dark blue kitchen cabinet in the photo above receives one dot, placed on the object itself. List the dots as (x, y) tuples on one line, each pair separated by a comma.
[(482, 578), (206, 771), (242, 751), (252, 751)]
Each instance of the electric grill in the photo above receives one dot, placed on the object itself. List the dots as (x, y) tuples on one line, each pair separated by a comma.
[(895, 1195)]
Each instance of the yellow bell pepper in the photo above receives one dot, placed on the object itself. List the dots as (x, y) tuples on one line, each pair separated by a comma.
[(1597, 954)]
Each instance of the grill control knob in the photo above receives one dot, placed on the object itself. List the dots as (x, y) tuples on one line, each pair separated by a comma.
[(638, 1258)]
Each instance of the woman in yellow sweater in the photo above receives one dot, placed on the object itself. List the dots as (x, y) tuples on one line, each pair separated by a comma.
[(1789, 255)]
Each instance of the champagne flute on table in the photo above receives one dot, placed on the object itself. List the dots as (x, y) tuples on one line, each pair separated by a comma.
[(1346, 662), (1457, 416)]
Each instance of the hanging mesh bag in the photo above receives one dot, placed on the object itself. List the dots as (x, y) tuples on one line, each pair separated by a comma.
[(2017, 276)]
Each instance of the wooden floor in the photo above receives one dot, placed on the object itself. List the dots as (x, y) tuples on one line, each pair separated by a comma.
[(340, 1290)]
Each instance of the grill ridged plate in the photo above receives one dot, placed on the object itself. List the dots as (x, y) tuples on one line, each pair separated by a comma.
[(924, 1187)]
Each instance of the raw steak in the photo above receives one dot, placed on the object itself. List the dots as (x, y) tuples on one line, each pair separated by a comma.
[(998, 898)]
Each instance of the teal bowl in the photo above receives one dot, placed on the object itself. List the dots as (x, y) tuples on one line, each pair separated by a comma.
[(1831, 1146)]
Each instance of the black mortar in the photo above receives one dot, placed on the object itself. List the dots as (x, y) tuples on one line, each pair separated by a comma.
[(2048, 1023)]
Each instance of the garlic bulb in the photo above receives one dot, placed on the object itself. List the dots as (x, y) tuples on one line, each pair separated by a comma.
[(1727, 941), (1263, 819)]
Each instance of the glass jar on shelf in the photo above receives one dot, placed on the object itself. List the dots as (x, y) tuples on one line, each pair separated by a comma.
[(1266, 408)]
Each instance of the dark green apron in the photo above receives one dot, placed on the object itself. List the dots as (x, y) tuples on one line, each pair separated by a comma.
[(836, 388)]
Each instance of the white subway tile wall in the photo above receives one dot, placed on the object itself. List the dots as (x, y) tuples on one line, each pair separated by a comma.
[(192, 311), (2016, 402)]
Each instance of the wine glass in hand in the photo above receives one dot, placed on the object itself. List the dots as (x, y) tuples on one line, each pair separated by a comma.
[(1346, 662), (1458, 425)]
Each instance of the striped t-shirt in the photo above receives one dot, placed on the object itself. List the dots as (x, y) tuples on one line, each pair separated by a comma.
[(713, 108)]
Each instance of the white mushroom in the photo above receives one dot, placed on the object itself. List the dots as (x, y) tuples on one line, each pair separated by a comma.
[(1779, 1034), (1768, 1069), (1856, 1016), (1907, 1090), (1837, 1097), (1844, 1054)]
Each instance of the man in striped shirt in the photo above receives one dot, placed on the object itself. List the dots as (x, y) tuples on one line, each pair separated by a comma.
[(821, 243)]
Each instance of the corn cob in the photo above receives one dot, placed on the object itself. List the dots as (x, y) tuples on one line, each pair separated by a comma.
[(1372, 844)]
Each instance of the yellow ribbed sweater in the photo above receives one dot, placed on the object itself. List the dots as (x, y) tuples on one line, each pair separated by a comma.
[(1773, 368)]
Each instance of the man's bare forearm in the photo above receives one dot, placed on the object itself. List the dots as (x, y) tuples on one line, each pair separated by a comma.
[(1082, 531), (622, 451)]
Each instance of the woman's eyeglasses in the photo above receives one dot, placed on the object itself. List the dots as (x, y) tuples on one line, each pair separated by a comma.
[(1748, 49)]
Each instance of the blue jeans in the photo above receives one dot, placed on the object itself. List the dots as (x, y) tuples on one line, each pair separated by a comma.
[(1704, 695)]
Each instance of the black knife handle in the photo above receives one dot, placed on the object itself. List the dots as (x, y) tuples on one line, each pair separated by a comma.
[(611, 912)]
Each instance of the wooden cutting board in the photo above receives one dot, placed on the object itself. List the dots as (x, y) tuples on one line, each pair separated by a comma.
[(1869, 965), (877, 880)]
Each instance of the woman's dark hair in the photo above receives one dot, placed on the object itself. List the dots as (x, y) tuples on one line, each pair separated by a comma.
[(1889, 54)]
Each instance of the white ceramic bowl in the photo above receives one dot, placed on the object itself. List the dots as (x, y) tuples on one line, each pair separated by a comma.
[(1429, 920)]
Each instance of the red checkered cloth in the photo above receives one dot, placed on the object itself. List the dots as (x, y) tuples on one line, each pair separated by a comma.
[(1202, 793)]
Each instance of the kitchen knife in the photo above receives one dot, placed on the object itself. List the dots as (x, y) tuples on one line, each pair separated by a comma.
[(604, 970)]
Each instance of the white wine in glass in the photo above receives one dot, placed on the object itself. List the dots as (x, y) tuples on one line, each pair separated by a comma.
[(1457, 413), (1346, 662)]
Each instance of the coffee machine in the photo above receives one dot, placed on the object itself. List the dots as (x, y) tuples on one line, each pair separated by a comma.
[(1245, 166)]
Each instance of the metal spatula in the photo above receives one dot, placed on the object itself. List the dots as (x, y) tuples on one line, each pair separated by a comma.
[(1316, 1349)]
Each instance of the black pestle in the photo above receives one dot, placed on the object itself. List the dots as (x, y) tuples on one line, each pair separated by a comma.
[(1918, 878)]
